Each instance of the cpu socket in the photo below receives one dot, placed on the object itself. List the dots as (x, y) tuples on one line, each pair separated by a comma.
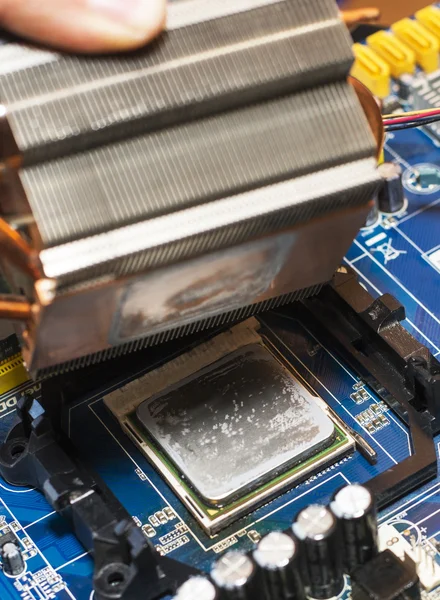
[(228, 426)]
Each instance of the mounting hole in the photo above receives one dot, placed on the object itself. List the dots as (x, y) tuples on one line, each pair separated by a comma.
[(16, 449), (115, 579), (112, 578), (422, 179)]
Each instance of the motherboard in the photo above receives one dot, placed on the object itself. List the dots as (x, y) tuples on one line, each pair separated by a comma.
[(356, 436)]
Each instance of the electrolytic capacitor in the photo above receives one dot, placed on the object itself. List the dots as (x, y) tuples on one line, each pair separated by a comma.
[(12, 559), (234, 574), (355, 509), (197, 588), (316, 528), (278, 562), (373, 215), (391, 196)]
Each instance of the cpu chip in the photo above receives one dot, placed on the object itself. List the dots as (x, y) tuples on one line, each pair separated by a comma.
[(228, 426), (236, 424)]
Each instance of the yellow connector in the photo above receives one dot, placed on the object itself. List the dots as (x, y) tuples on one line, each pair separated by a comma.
[(381, 158), (12, 374), (429, 17), (421, 41), (371, 70), (400, 58)]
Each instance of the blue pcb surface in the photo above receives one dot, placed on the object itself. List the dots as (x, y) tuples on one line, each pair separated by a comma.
[(400, 255)]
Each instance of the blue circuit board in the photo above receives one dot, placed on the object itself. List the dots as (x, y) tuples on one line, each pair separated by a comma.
[(399, 255)]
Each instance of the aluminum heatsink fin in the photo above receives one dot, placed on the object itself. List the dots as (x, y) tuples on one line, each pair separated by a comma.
[(223, 170), (211, 59), (196, 163), (214, 227)]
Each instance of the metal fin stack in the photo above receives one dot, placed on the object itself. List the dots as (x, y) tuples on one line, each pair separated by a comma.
[(233, 139)]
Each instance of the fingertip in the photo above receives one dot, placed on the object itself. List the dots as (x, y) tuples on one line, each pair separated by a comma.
[(132, 23), (95, 26)]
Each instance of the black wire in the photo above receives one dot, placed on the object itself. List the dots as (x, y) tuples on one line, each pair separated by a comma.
[(412, 124)]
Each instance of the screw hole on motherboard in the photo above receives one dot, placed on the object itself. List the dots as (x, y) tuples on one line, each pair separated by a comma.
[(16, 449), (115, 579)]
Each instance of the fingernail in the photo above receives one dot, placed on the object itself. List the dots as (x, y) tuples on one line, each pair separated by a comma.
[(137, 14)]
